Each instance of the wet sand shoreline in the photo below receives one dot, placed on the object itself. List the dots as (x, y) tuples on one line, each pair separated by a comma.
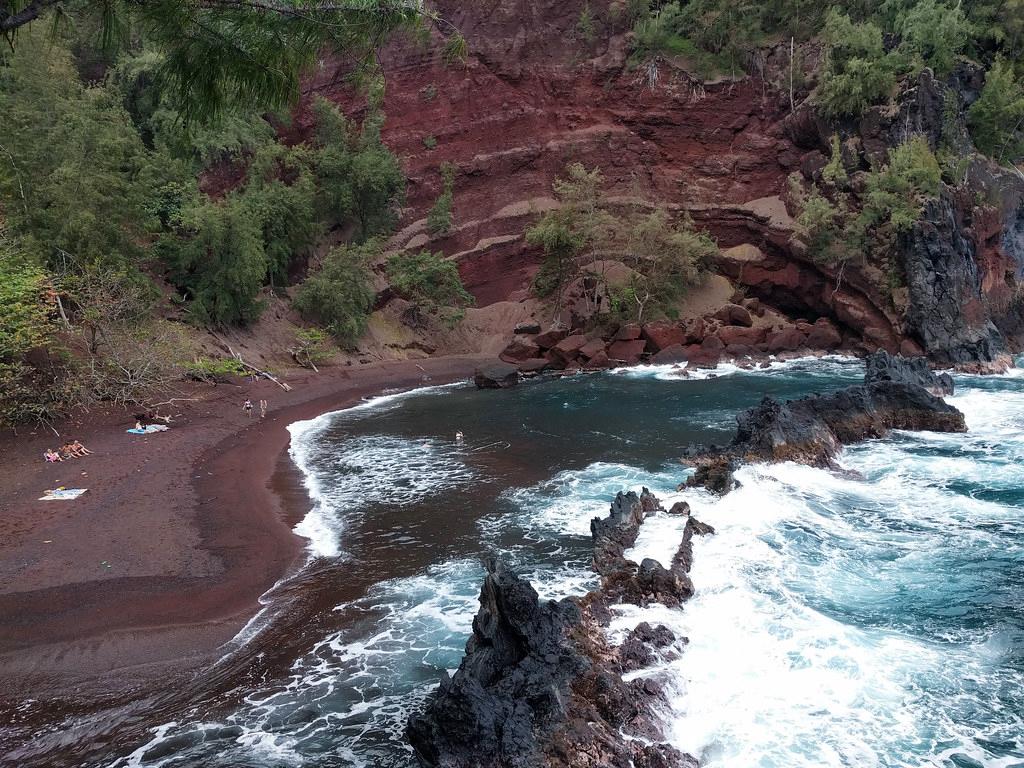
[(148, 575)]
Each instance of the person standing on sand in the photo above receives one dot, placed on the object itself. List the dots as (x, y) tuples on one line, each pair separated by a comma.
[(247, 407), (263, 409)]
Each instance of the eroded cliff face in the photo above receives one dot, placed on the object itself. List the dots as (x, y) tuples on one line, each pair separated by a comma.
[(532, 98)]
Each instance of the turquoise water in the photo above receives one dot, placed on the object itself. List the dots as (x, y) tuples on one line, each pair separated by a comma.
[(870, 620)]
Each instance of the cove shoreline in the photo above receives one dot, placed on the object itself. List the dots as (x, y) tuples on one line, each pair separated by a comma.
[(144, 579)]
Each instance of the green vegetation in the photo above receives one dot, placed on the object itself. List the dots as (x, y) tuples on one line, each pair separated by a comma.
[(439, 219), (665, 256), (339, 295), (220, 57), (27, 325), (890, 204), (996, 119), (868, 48), (858, 72), (99, 189), (431, 282), (430, 142), (210, 370), (312, 346)]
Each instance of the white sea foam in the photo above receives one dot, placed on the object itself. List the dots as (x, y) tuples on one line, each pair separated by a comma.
[(805, 646), (370, 469), (567, 502), (825, 366)]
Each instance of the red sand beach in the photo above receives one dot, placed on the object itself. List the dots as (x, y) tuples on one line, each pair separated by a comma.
[(165, 557)]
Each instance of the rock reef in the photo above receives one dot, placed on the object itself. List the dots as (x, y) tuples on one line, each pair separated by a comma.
[(541, 685), (897, 393)]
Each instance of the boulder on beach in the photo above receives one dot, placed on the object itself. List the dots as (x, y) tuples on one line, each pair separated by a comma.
[(497, 375)]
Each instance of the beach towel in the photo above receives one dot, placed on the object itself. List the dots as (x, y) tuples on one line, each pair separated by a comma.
[(63, 494), (148, 429)]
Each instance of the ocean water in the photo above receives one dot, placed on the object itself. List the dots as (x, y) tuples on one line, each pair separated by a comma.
[(871, 618)]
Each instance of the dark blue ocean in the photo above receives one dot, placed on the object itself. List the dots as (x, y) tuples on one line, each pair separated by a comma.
[(869, 618)]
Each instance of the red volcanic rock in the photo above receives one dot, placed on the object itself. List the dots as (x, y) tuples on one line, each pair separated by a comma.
[(753, 306), (824, 335), (674, 354), (536, 365), (628, 352), (662, 334), (785, 340), (519, 349), (699, 356), (548, 339), (592, 348), (628, 332), (695, 329), (712, 344), (734, 334), (569, 347), (739, 350), (599, 360), (734, 314), (555, 361)]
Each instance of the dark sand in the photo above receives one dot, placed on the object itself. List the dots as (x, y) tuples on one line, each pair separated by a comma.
[(164, 559)]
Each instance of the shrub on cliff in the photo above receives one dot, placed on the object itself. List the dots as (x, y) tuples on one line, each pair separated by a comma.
[(896, 192), (339, 295), (825, 226), (858, 72), (665, 255), (439, 218), (431, 282), (933, 33), (996, 119)]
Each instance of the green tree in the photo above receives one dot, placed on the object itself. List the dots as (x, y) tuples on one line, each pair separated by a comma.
[(933, 33), (668, 258), (28, 391), (996, 119), (895, 193), (224, 54), (280, 195), (75, 175), (428, 280), (857, 72), (339, 295), (216, 256)]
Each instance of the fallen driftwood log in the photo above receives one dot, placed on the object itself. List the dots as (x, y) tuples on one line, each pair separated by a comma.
[(259, 372)]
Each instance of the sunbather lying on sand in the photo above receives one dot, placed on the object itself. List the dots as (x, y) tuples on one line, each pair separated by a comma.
[(51, 455)]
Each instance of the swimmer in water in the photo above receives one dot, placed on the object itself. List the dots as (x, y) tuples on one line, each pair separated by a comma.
[(459, 436)]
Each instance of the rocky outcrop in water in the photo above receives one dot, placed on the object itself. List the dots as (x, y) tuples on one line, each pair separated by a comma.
[(540, 685), (896, 394), (512, 685), (498, 375)]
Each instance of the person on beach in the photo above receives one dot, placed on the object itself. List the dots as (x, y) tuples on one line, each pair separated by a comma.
[(51, 455), (247, 407), (80, 450), (138, 425), (263, 409)]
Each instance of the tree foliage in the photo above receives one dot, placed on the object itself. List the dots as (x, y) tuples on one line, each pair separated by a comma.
[(890, 203), (858, 72), (666, 255), (224, 55), (339, 295), (996, 119), (428, 280)]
